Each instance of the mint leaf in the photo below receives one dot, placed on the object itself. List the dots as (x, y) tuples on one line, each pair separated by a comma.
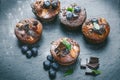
[(96, 72), (68, 72), (96, 26), (70, 9), (67, 44)]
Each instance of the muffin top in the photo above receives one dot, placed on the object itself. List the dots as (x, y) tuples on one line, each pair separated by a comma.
[(46, 9), (65, 51), (96, 28), (28, 30), (72, 15)]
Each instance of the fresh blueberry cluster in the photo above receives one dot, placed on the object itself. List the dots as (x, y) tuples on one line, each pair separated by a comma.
[(72, 12), (29, 51), (52, 66), (48, 3), (77, 9)]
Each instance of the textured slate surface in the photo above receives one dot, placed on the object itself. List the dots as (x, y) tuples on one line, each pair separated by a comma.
[(15, 66)]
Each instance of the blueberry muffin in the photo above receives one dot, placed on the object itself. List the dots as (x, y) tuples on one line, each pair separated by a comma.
[(65, 51), (28, 31), (46, 10), (96, 30), (72, 17)]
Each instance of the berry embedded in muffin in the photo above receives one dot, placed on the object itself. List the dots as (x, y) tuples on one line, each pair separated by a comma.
[(46, 10), (72, 16), (65, 51), (96, 30), (28, 31)]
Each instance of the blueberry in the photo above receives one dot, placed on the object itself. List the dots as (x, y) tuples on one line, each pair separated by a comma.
[(52, 73), (46, 65), (34, 51), (24, 49), (28, 54), (55, 66), (69, 15), (54, 4), (46, 4), (94, 20), (77, 9), (50, 58)]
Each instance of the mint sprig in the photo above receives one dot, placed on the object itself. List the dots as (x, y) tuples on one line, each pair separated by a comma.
[(68, 72), (96, 72), (70, 9), (67, 44)]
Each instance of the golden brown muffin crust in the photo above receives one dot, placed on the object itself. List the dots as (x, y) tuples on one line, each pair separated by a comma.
[(91, 35), (27, 32), (70, 57), (45, 14)]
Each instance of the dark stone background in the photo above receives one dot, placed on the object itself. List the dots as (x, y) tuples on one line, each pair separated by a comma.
[(15, 66)]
